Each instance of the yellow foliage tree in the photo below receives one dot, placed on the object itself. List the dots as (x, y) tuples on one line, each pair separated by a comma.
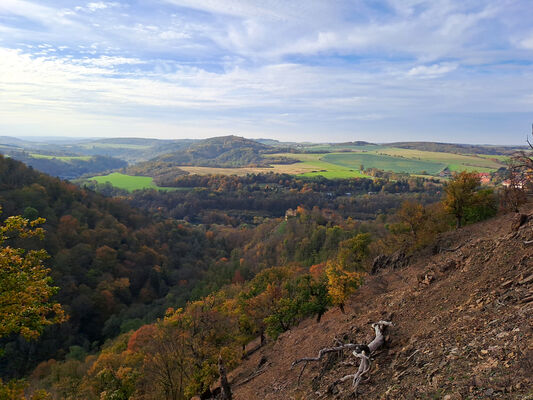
[(341, 283), (25, 284)]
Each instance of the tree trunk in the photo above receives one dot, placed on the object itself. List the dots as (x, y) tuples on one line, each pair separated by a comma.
[(224, 384), (319, 317)]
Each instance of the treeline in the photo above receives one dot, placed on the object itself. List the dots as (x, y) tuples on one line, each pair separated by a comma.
[(232, 200), (161, 171)]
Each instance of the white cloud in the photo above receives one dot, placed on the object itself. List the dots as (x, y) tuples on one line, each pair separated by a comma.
[(94, 7), (174, 35), (28, 9), (237, 8), (253, 63), (97, 6), (432, 71), (527, 43)]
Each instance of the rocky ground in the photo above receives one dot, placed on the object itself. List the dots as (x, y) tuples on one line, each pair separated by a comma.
[(463, 327)]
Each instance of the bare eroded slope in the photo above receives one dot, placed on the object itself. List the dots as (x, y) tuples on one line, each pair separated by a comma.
[(463, 327)]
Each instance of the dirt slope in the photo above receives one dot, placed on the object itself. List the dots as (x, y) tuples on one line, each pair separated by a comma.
[(463, 327)]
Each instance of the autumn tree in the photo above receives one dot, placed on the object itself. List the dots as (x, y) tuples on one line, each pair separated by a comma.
[(466, 200), (415, 226), (353, 251), (344, 273), (460, 194), (25, 284), (167, 364), (341, 283)]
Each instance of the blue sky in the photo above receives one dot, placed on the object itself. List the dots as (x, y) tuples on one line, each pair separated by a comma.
[(328, 70)]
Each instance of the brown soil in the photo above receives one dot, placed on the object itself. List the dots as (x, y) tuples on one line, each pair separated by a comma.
[(463, 327)]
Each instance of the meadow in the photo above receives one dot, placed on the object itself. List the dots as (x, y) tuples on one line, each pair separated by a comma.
[(62, 158), (129, 182)]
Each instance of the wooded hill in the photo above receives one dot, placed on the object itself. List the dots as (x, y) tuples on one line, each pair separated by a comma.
[(66, 167), (111, 261), (224, 151)]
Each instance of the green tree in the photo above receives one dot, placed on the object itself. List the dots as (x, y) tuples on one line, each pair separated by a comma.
[(25, 284)]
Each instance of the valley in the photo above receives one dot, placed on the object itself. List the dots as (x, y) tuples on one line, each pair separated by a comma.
[(266, 200), (143, 253)]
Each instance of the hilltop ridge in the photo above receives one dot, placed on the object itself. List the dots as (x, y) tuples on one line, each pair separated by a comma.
[(462, 316), (223, 151)]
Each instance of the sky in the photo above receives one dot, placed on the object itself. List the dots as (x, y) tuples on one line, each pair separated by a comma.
[(299, 70)]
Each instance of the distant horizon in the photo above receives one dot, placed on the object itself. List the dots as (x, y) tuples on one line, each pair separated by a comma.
[(304, 70), (33, 138)]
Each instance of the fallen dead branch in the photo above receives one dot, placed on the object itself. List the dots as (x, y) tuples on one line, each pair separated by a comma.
[(360, 351), (251, 377)]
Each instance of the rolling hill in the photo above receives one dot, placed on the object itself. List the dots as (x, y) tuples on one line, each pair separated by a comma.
[(116, 266), (225, 151)]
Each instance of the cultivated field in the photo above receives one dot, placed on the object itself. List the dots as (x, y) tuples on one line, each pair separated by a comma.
[(128, 182), (309, 165), (455, 162), (384, 162)]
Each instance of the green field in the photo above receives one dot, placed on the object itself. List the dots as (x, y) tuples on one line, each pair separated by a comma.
[(414, 162), (314, 165), (455, 162), (384, 162), (62, 158), (129, 182)]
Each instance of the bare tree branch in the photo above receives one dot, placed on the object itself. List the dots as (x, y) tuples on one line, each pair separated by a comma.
[(361, 352)]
